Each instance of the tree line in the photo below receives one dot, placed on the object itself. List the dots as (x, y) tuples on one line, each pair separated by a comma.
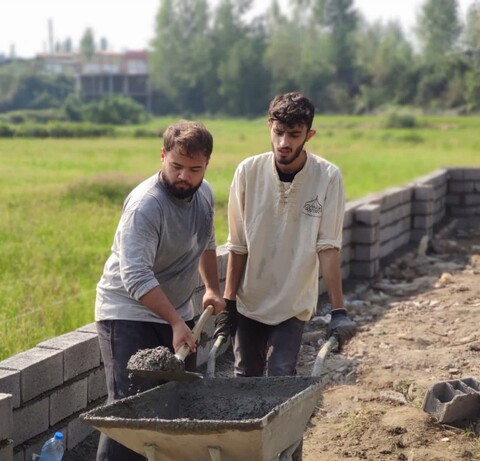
[(223, 60)]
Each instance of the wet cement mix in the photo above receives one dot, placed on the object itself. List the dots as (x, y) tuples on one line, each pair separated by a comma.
[(157, 359)]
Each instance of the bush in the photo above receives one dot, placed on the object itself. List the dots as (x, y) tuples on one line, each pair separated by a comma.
[(28, 130), (114, 110), (6, 131), (147, 133), (401, 121)]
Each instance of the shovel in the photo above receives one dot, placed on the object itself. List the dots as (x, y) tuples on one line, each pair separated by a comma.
[(180, 374)]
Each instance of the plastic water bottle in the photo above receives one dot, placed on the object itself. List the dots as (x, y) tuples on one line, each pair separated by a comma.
[(52, 449)]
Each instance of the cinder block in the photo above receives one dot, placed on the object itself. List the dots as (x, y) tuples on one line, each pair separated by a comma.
[(423, 192), (472, 174), (458, 187), (10, 384), (422, 222), (6, 417), (422, 207), (368, 214), (88, 328), (417, 234), (69, 399), (472, 199), (30, 420), (366, 252), (435, 178), (395, 214), (78, 431), (365, 234), (346, 237), (453, 400), (6, 450), (81, 352), (396, 196), (395, 229), (346, 254), (454, 199), (40, 370), (364, 270), (97, 385), (20, 455), (348, 216)]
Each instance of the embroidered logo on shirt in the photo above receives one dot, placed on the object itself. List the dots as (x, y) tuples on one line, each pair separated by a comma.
[(313, 207)]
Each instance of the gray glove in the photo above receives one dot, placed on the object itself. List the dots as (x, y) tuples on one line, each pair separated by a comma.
[(341, 326), (226, 321)]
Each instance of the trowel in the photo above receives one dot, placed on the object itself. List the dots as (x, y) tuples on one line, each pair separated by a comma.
[(179, 374)]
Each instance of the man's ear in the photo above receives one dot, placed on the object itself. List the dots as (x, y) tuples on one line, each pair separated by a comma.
[(310, 135), (162, 154)]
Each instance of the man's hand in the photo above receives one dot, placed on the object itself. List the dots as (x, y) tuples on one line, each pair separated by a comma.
[(182, 335), (341, 326), (226, 321), (213, 298)]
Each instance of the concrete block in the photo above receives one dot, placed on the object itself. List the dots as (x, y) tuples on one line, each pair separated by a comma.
[(97, 385), (349, 215), (435, 178), (365, 234), (346, 254), (40, 370), (454, 199), (346, 236), (472, 174), (423, 192), (30, 420), (395, 229), (395, 214), (81, 352), (69, 399), (10, 384), (453, 400), (78, 431), (366, 252), (396, 196), (472, 199), (387, 248), (88, 328), (422, 207), (6, 417), (368, 214), (364, 270), (6, 450), (459, 187), (422, 222)]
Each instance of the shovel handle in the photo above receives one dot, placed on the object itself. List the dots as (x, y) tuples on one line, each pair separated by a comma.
[(184, 350)]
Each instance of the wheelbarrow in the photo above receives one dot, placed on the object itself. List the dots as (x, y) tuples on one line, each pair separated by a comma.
[(219, 419), (214, 419)]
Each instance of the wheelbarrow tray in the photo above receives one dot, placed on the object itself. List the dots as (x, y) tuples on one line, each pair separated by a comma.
[(241, 418)]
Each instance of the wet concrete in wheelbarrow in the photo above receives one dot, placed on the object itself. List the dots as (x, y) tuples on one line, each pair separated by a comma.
[(205, 404), (157, 359)]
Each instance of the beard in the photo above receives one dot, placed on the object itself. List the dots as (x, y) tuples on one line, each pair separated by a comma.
[(173, 189), (289, 160)]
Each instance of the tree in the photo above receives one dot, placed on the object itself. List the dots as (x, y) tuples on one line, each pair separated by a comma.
[(87, 44), (180, 60), (438, 28), (472, 33)]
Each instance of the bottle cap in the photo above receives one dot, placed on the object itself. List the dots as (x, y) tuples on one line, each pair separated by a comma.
[(58, 435)]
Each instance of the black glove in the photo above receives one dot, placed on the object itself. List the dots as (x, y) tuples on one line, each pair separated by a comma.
[(341, 326), (226, 321)]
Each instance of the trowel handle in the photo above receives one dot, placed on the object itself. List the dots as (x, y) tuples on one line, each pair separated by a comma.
[(184, 350)]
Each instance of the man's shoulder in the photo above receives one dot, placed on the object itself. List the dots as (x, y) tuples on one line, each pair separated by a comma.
[(256, 161), (323, 165)]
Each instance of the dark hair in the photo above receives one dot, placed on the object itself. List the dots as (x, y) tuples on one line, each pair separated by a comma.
[(292, 109), (191, 137)]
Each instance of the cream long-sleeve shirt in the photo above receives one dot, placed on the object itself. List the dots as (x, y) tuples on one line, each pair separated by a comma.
[(282, 227)]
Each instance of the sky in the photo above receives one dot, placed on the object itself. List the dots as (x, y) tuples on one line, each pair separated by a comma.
[(129, 24)]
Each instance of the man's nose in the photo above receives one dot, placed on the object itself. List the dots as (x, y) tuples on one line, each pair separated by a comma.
[(183, 175), (282, 141)]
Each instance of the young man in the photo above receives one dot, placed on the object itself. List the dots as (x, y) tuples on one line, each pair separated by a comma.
[(285, 216), (164, 236)]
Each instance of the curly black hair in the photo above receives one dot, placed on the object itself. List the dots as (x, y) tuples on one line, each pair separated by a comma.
[(292, 109)]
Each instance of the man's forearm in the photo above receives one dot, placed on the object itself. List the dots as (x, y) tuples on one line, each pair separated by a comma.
[(157, 301), (332, 277), (235, 269), (208, 270)]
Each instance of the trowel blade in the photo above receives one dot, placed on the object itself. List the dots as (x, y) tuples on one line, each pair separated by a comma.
[(158, 375)]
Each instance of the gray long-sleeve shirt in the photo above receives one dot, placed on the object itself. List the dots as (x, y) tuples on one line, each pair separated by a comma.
[(158, 241)]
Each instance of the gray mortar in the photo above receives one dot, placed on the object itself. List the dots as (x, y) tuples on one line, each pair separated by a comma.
[(158, 359), (218, 404)]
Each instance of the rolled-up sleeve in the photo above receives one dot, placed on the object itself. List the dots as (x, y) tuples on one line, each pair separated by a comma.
[(236, 241), (331, 227), (138, 244)]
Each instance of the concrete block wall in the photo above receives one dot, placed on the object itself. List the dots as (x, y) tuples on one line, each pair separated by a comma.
[(44, 389)]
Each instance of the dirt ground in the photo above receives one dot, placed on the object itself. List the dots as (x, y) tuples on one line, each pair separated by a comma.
[(418, 324)]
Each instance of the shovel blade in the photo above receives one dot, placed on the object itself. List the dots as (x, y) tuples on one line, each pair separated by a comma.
[(158, 375)]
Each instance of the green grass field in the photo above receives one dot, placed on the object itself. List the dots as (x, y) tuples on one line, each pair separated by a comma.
[(60, 201)]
